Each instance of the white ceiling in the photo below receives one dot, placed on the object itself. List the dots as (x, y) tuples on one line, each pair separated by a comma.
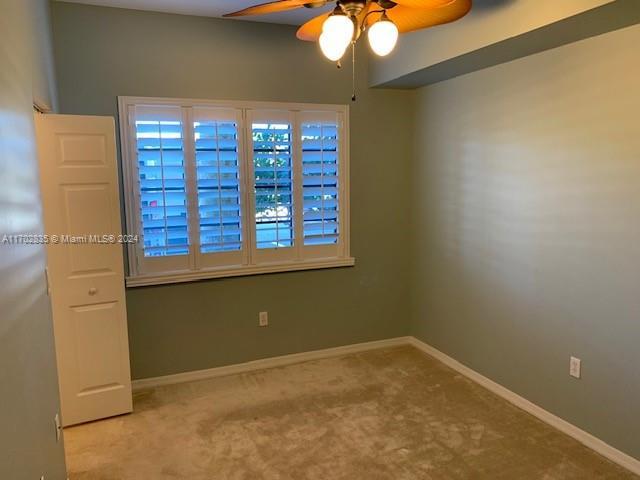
[(211, 8)]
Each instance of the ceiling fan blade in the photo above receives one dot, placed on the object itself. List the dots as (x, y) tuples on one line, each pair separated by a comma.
[(272, 7), (423, 3), (410, 19), (311, 30)]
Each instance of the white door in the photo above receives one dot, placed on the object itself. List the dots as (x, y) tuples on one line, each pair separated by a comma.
[(79, 182)]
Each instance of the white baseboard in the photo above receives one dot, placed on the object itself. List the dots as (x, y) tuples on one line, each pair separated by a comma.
[(599, 446), (266, 363), (604, 449)]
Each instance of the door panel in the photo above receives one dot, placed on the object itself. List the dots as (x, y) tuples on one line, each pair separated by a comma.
[(82, 150), (79, 184), (97, 340), (89, 257)]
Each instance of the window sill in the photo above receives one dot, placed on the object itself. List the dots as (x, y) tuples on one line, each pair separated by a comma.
[(238, 271)]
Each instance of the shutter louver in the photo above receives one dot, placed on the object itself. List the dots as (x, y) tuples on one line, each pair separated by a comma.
[(273, 182), (218, 184), (162, 184), (320, 168)]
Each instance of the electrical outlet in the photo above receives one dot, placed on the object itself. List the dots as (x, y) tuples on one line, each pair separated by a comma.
[(263, 319), (574, 367)]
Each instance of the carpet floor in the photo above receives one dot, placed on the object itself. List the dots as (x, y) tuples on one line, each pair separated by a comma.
[(392, 414)]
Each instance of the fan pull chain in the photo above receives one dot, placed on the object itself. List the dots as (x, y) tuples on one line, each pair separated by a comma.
[(353, 70)]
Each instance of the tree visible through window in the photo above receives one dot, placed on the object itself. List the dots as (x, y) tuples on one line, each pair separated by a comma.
[(273, 186)]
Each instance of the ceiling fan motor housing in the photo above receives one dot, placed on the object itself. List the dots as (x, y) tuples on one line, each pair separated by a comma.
[(352, 7)]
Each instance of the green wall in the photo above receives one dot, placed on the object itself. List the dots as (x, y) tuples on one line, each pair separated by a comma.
[(28, 376), (102, 53), (526, 194)]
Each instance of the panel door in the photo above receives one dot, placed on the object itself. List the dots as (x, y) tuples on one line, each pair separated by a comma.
[(79, 182)]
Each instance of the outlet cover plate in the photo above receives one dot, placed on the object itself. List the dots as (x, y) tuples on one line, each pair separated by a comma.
[(574, 367)]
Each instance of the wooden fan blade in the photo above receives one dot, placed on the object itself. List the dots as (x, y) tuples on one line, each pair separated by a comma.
[(410, 19), (270, 7), (423, 3), (311, 30)]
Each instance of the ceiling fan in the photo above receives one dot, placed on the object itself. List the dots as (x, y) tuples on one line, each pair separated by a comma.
[(384, 20)]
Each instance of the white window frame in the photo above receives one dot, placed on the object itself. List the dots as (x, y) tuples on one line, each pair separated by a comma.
[(250, 260)]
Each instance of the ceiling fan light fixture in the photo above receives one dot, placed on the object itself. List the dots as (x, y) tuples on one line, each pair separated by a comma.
[(383, 36), (337, 34), (339, 26), (344, 26), (332, 49)]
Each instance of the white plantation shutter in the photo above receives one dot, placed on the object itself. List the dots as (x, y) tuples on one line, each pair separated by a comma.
[(272, 164), (218, 172), (320, 174), (161, 188), (232, 188), (321, 146)]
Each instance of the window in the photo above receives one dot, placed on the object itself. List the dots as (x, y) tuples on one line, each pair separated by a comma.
[(273, 184), (320, 174), (217, 189)]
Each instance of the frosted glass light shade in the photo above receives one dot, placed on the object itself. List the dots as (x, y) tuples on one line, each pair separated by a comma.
[(337, 33), (340, 28), (332, 49), (383, 36)]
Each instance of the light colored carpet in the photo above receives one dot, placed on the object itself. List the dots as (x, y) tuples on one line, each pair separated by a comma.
[(393, 414)]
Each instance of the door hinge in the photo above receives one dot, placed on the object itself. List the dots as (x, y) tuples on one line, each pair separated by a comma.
[(46, 277), (58, 425)]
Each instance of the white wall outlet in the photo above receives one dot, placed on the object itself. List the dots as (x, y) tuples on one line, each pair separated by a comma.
[(574, 367), (263, 319)]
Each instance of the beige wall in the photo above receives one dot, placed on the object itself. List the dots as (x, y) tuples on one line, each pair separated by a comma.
[(489, 22), (28, 379), (102, 53), (526, 228)]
